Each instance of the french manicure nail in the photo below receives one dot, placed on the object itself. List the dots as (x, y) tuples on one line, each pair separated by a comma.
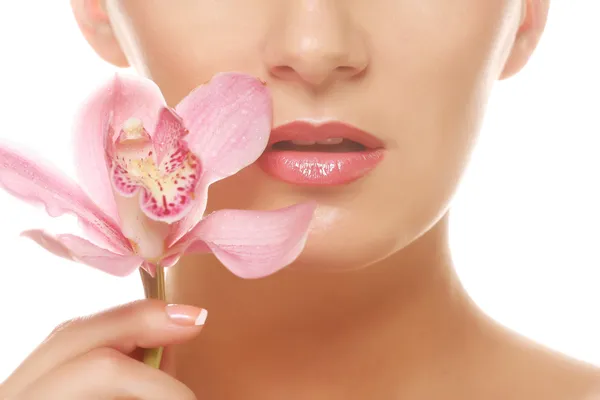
[(186, 315)]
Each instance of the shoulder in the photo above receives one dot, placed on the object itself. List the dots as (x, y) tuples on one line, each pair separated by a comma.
[(565, 378), (533, 371)]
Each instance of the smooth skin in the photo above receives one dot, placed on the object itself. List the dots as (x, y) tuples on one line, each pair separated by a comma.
[(373, 308)]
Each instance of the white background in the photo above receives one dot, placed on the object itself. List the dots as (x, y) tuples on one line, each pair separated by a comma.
[(525, 221)]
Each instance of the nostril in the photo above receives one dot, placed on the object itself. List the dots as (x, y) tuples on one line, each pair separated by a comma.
[(345, 69), (283, 71), (350, 72)]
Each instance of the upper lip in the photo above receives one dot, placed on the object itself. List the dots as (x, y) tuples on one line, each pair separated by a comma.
[(306, 130)]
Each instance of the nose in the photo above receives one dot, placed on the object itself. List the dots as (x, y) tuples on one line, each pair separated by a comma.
[(315, 42)]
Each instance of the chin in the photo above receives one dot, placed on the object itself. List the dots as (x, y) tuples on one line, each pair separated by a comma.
[(355, 226), (343, 242), (364, 238), (331, 257)]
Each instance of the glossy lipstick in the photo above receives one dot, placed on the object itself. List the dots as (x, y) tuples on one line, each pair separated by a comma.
[(326, 154)]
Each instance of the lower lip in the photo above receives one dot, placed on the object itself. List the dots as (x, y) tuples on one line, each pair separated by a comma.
[(319, 168)]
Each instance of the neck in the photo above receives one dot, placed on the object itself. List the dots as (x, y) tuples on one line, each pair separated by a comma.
[(305, 321)]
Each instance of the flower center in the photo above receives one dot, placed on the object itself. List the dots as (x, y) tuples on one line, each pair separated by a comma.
[(167, 184)]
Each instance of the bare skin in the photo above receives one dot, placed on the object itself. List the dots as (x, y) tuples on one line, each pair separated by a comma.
[(373, 308), (401, 330)]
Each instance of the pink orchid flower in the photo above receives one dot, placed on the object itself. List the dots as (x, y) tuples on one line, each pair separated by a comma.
[(144, 170)]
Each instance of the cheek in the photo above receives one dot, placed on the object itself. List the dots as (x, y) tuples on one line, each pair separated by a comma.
[(432, 90), (198, 39)]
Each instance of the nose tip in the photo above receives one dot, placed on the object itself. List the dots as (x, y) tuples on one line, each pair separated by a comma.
[(316, 46)]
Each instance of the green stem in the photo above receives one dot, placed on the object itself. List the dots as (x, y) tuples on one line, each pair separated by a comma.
[(154, 288)]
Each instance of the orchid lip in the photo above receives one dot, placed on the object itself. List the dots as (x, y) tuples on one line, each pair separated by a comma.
[(167, 180), (302, 131)]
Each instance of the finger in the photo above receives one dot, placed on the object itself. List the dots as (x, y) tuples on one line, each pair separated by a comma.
[(167, 363), (105, 374), (146, 323)]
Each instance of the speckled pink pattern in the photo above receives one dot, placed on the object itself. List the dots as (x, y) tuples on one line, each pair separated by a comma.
[(162, 167)]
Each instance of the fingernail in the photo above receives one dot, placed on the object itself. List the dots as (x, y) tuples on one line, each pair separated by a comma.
[(186, 315)]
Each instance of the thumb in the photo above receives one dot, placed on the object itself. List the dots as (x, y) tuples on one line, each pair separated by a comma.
[(145, 323)]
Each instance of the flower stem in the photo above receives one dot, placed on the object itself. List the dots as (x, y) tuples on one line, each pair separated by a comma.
[(154, 288)]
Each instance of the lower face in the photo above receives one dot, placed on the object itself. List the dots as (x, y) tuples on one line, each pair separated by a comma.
[(415, 75)]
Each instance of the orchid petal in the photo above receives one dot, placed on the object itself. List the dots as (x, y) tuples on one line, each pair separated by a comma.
[(150, 267), (193, 245), (229, 120), (167, 136), (36, 183), (80, 250), (100, 117), (253, 244)]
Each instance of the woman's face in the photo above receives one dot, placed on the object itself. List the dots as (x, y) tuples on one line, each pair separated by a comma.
[(415, 74)]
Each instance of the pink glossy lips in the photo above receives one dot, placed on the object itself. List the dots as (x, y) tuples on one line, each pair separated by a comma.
[(327, 154)]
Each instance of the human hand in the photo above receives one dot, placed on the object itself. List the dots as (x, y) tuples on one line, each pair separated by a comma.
[(97, 357)]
